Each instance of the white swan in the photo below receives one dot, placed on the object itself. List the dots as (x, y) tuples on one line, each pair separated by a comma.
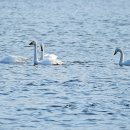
[(12, 59), (121, 62), (45, 59)]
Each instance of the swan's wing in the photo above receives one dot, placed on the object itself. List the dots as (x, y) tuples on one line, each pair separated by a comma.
[(50, 56)]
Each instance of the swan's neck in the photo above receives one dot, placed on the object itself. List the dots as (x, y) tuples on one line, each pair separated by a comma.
[(121, 58), (35, 55), (42, 54)]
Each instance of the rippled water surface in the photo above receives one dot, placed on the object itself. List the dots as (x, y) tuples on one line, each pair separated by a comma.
[(90, 91)]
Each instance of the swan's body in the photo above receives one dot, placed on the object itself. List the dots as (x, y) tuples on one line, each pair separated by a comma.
[(121, 62), (47, 59), (12, 59)]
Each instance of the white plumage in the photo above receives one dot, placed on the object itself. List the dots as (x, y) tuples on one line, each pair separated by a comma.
[(121, 62), (12, 59)]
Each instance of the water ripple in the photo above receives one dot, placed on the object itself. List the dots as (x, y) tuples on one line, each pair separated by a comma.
[(90, 91)]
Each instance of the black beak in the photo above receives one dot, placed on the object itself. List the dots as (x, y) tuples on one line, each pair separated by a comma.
[(114, 52), (41, 48), (31, 43)]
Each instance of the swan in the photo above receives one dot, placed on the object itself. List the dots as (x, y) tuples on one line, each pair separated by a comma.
[(121, 62), (12, 59), (45, 59)]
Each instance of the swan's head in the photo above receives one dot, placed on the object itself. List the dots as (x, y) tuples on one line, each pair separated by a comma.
[(33, 43), (116, 50)]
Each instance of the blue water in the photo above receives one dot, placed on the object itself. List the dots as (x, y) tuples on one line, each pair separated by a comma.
[(90, 91)]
